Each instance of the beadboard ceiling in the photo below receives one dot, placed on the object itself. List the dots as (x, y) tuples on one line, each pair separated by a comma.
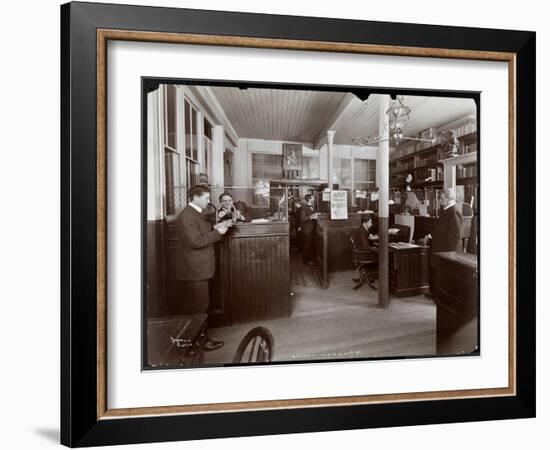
[(305, 116), (278, 114)]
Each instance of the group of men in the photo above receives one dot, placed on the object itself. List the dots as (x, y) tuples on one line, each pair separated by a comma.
[(446, 236), (197, 233)]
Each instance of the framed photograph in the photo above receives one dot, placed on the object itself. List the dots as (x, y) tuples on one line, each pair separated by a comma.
[(277, 224)]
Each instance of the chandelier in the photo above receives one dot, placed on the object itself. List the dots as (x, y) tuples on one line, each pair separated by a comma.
[(398, 115)]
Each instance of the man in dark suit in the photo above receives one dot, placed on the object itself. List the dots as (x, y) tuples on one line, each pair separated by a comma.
[(446, 235), (367, 235), (195, 261), (306, 225)]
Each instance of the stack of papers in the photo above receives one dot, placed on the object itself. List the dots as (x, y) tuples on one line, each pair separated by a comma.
[(400, 245)]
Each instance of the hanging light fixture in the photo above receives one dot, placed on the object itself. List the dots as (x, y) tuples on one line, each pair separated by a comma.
[(398, 115)]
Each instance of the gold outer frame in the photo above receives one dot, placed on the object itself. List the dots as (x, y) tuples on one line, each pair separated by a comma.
[(104, 35)]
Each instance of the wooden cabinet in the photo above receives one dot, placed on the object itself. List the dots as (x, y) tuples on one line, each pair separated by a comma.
[(332, 245), (252, 279), (456, 297), (409, 274)]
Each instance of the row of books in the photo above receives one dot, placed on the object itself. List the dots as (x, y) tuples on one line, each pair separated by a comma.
[(471, 148), (404, 166), (466, 172)]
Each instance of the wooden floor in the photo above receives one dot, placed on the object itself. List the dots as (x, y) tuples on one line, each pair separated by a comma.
[(339, 323)]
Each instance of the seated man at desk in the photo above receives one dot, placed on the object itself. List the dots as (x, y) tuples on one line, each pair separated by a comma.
[(367, 236), (227, 210)]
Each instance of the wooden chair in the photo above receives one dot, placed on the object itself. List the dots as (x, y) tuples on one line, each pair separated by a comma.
[(363, 261), (255, 347)]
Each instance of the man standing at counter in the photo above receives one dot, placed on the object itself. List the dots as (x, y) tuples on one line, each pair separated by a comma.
[(306, 224), (446, 235), (195, 261)]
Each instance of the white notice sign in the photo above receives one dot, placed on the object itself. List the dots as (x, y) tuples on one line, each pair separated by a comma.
[(339, 205)]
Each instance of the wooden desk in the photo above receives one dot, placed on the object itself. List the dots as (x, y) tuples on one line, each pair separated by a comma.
[(252, 279), (409, 274), (408, 267), (457, 302)]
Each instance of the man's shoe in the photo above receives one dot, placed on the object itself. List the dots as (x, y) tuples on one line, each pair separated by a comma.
[(212, 344)]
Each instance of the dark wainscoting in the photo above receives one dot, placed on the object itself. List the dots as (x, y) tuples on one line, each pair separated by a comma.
[(254, 271), (156, 264)]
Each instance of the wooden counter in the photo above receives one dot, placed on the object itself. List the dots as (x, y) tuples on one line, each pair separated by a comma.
[(457, 302), (252, 279), (332, 246)]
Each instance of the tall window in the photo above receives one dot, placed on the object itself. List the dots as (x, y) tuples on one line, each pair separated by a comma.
[(310, 167), (342, 172), (207, 148), (191, 150), (170, 116), (364, 174), (171, 155), (171, 170)]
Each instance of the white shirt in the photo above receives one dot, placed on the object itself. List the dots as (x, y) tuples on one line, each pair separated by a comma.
[(195, 207)]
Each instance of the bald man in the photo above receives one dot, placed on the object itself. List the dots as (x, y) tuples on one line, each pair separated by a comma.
[(446, 235)]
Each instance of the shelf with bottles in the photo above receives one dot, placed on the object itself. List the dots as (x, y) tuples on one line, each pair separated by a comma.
[(467, 140)]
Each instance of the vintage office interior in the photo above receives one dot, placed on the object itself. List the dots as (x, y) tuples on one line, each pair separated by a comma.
[(310, 270)]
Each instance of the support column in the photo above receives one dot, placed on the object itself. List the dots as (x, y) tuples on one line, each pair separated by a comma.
[(383, 201), (449, 176), (330, 162), (199, 132)]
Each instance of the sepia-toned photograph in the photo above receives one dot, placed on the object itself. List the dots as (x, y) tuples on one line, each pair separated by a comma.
[(304, 224)]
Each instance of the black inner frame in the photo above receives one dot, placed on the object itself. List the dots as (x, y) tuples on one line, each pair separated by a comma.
[(149, 84), (79, 423)]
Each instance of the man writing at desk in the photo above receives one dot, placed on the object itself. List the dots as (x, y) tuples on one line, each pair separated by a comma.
[(195, 261), (367, 236)]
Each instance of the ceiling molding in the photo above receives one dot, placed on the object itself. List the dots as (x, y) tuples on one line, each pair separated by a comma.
[(215, 108)]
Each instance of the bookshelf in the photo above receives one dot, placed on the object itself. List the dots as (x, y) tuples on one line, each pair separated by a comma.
[(424, 160)]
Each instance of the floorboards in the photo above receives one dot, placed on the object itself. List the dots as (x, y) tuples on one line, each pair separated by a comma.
[(338, 323)]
